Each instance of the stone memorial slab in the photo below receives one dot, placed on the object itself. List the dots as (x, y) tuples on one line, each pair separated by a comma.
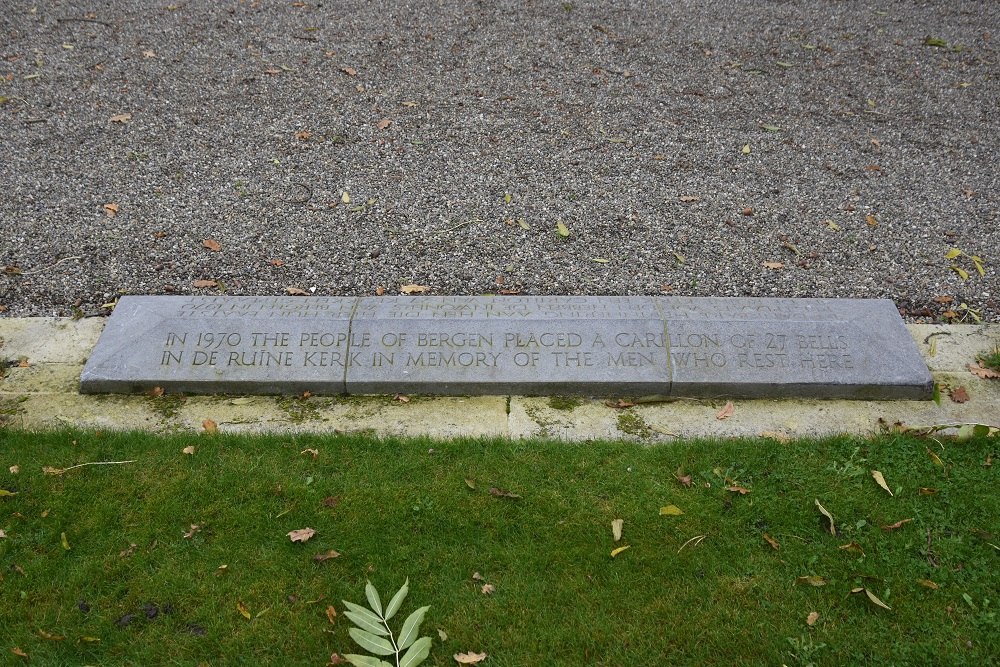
[(673, 346)]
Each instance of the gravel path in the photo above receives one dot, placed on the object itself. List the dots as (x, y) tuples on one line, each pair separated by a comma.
[(696, 147)]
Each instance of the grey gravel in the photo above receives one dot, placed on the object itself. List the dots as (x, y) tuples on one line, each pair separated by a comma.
[(625, 121)]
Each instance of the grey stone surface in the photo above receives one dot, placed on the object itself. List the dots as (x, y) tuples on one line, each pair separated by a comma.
[(680, 346)]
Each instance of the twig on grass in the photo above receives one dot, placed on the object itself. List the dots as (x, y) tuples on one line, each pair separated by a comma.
[(59, 471)]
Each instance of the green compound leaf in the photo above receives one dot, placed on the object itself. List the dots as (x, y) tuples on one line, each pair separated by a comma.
[(373, 599), (365, 661), (364, 618), (397, 600), (411, 627), (417, 653), (371, 643)]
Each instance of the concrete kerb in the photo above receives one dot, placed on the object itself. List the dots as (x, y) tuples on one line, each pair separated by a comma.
[(44, 357)]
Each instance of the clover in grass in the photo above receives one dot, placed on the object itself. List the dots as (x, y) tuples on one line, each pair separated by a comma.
[(374, 635)]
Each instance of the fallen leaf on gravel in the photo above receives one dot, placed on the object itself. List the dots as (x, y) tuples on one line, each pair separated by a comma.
[(880, 480), (615, 552), (349, 71), (562, 229), (898, 524), (687, 199), (746, 149), (111, 209), (870, 219), (832, 225), (303, 135), (121, 118), (276, 262), (812, 580), (871, 596), (301, 535), (469, 658), (204, 283), (812, 618), (414, 289), (962, 273), (379, 291), (983, 372), (616, 529), (295, 291), (410, 103), (272, 71), (959, 395), (620, 404), (671, 510), (188, 450), (384, 123), (209, 426), (212, 245), (773, 542), (726, 412), (774, 266), (325, 556), (747, 211), (500, 493)]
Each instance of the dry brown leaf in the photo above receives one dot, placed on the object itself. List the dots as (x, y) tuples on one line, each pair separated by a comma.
[(272, 71), (276, 262), (121, 118), (894, 526), (242, 608), (726, 412), (943, 299), (687, 199), (870, 219), (301, 535), (303, 135), (3, 534), (871, 596), (325, 556), (736, 488), (201, 284), (402, 398), (331, 614), (414, 289), (23, 363), (313, 452), (983, 372), (620, 404), (880, 480), (812, 618), (379, 291), (295, 291), (682, 478), (487, 589), (469, 658), (128, 552), (18, 652), (773, 542), (812, 580), (111, 209), (188, 450), (476, 576), (776, 435), (221, 570), (822, 510), (212, 245), (349, 71), (959, 395), (155, 392), (926, 491), (209, 426), (384, 123), (14, 469), (747, 211), (774, 266), (616, 529), (195, 528)]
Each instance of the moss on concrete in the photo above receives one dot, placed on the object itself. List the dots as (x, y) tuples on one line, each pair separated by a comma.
[(632, 424), (565, 402)]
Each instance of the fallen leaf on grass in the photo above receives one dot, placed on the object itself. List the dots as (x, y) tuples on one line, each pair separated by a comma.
[(212, 245), (4, 493), (128, 552), (616, 529), (487, 589), (959, 395), (209, 426), (331, 614), (927, 583), (17, 651), (615, 552), (926, 491), (469, 658), (244, 612), (221, 570), (195, 528), (64, 541), (111, 209), (934, 457), (880, 480), (201, 284), (872, 597), (894, 526), (736, 488), (776, 435), (3, 534), (726, 412), (14, 469), (822, 510), (402, 398), (471, 483), (476, 576), (325, 556), (313, 452), (188, 450), (853, 547), (683, 479), (51, 637), (671, 510), (500, 493), (812, 580), (301, 535), (773, 542), (812, 618), (414, 289)]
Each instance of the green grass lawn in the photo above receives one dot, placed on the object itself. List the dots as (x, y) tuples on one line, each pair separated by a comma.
[(163, 559)]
